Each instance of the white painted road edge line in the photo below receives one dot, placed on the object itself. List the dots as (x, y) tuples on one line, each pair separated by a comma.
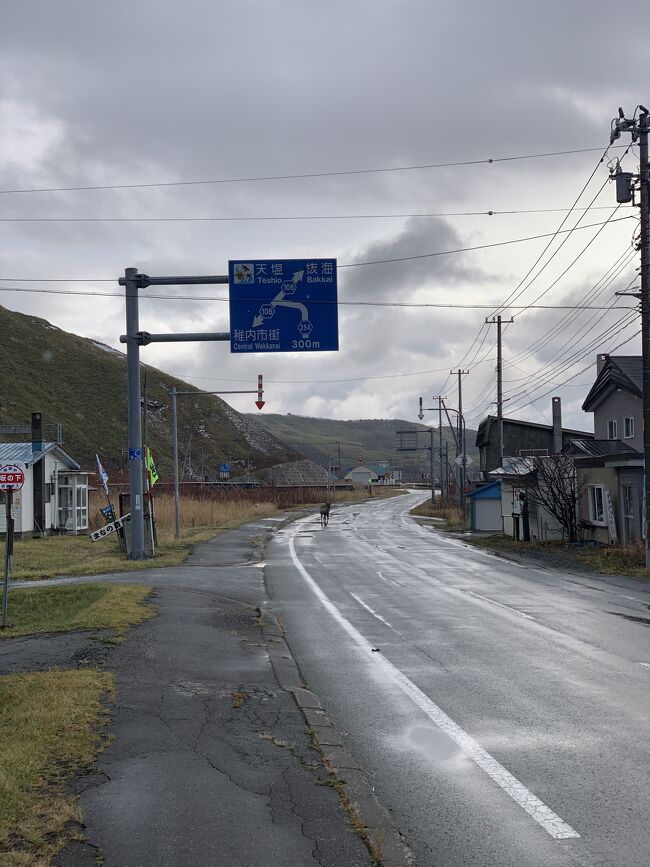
[(550, 821), (374, 613)]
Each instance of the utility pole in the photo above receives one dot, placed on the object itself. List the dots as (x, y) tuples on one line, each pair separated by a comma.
[(442, 483), (136, 487), (639, 130), (498, 322), (461, 436)]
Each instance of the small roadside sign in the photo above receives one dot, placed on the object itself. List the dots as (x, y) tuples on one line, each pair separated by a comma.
[(283, 305), (109, 529), (12, 477), (468, 461)]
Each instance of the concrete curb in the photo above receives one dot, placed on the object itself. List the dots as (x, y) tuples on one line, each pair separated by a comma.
[(371, 820)]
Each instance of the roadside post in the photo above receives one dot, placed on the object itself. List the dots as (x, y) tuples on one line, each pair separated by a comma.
[(12, 478)]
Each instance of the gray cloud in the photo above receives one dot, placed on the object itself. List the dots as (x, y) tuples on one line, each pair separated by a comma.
[(148, 91)]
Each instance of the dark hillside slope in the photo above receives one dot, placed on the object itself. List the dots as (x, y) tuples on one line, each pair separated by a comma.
[(83, 384)]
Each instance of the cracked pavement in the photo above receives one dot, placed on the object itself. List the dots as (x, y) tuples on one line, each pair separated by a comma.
[(209, 761)]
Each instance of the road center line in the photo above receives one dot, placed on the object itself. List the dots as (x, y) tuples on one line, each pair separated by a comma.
[(550, 821), (494, 602)]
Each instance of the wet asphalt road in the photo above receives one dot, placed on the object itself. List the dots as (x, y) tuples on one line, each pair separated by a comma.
[(502, 709)]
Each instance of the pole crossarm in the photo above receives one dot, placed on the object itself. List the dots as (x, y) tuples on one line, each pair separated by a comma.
[(144, 338), (199, 393), (144, 280)]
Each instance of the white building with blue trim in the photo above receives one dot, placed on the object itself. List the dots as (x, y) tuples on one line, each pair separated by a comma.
[(54, 498)]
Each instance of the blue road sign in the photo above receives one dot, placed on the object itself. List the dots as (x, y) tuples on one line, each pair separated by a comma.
[(283, 305), (224, 468), (135, 454)]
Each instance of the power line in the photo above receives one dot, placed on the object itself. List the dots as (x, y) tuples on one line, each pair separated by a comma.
[(589, 297), (513, 294), (349, 264), (510, 297), (415, 304), (262, 218), (584, 370), (561, 366), (286, 177)]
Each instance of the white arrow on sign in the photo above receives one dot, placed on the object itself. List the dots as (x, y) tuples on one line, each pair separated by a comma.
[(468, 461), (279, 301)]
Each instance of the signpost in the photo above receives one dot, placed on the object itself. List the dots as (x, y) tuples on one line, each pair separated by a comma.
[(224, 471), (12, 478), (283, 305), (280, 305)]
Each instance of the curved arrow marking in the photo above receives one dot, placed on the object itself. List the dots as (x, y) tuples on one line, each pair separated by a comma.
[(296, 304), (279, 301)]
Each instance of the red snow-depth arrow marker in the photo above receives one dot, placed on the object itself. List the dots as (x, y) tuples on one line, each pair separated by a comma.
[(259, 403)]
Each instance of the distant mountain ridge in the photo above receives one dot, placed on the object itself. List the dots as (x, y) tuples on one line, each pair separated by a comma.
[(361, 441), (82, 383)]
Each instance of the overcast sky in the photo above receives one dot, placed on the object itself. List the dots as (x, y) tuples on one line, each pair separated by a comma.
[(137, 92)]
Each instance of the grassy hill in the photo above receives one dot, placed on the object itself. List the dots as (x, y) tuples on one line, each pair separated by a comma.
[(83, 384), (365, 440)]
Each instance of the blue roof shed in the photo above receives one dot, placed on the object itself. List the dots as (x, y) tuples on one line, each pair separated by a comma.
[(486, 507)]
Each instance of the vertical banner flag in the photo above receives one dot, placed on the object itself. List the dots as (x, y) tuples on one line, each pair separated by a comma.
[(151, 468), (103, 475)]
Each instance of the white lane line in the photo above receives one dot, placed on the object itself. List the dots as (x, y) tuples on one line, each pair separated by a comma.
[(645, 664), (374, 613), (522, 796), (494, 602), (392, 581)]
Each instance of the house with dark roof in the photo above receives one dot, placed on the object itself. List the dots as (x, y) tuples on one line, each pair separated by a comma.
[(609, 469), (522, 439), (616, 399)]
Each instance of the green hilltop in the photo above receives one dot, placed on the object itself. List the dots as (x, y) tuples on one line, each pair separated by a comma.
[(361, 441)]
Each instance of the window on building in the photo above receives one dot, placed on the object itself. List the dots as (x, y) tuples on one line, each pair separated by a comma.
[(628, 427), (612, 429), (596, 504)]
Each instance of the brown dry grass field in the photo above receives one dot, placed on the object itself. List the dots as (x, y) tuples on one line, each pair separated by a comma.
[(201, 519)]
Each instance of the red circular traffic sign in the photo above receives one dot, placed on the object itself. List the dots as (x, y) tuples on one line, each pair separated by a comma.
[(12, 478)]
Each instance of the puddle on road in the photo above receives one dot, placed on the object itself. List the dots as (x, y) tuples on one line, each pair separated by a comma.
[(434, 743)]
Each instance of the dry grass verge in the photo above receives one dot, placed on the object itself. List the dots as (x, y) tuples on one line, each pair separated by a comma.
[(76, 606), (201, 519), (49, 722), (451, 515), (599, 560)]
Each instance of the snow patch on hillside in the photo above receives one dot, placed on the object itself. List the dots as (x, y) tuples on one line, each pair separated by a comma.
[(256, 437)]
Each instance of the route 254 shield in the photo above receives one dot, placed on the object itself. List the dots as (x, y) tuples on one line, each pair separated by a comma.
[(283, 305)]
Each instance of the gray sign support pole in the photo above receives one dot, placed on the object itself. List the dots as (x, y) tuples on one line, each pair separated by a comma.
[(433, 481), (177, 513), (137, 551), (9, 549), (134, 339)]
